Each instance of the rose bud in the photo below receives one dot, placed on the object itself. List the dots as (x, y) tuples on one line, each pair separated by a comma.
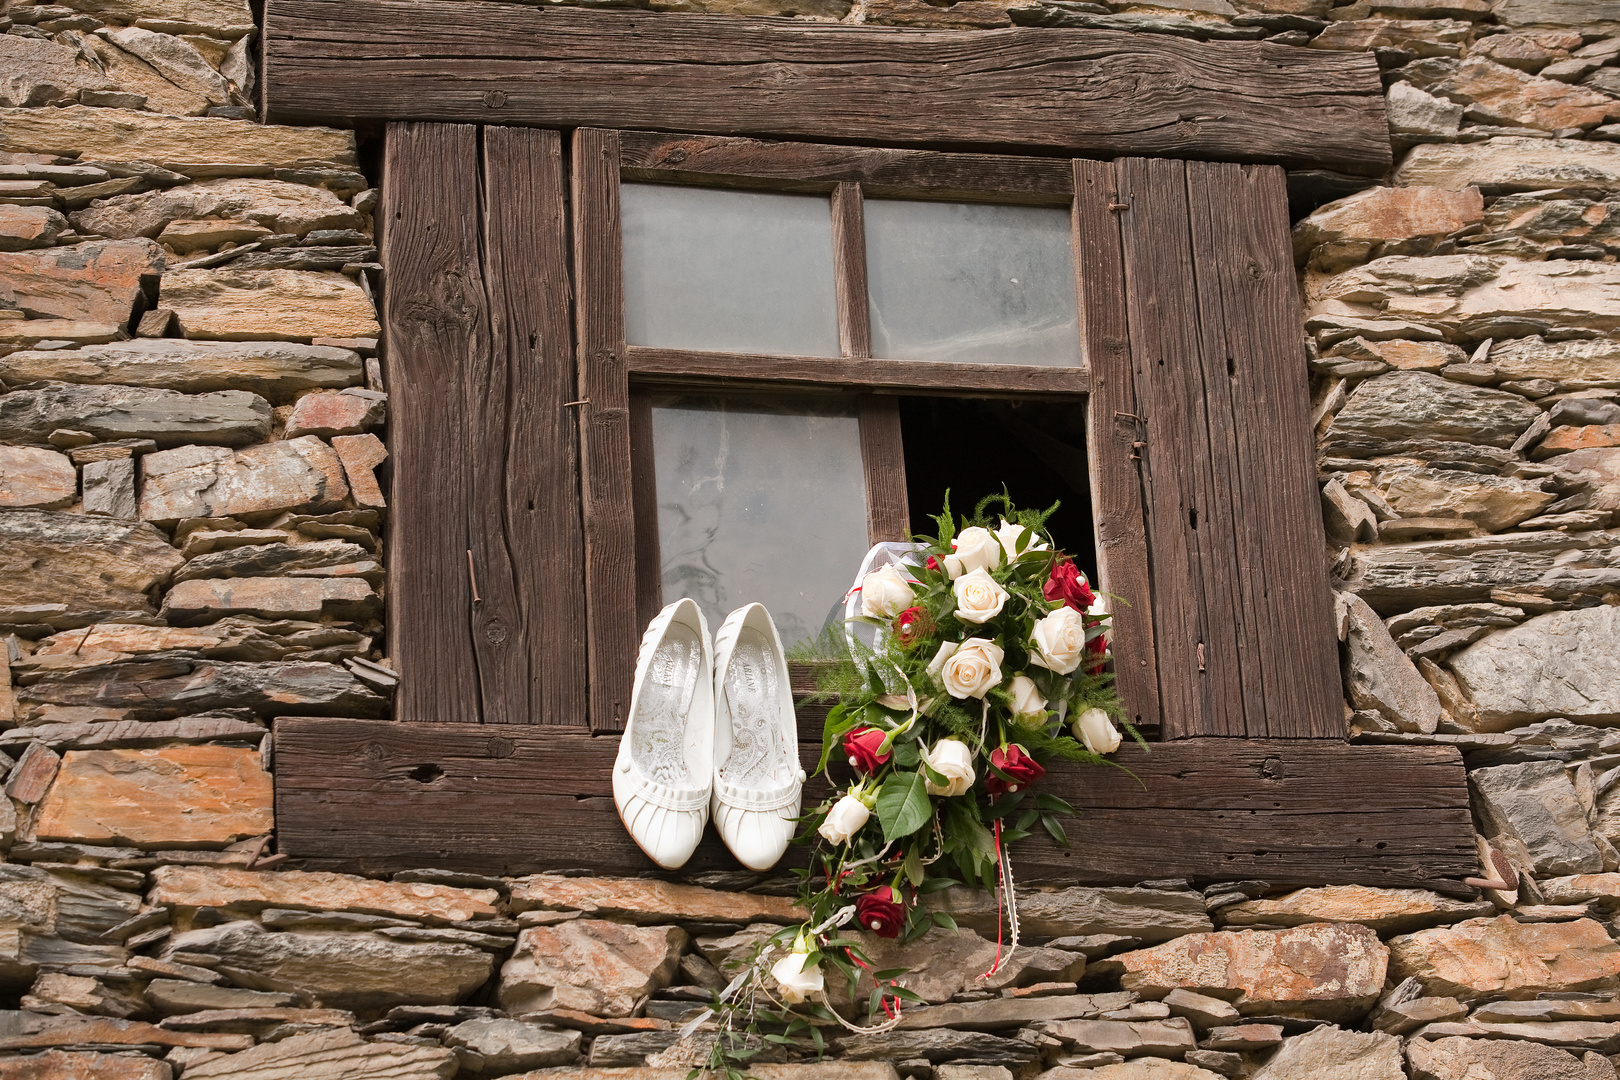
[(844, 820), (880, 912), (1069, 585), (1021, 770), (862, 747), (911, 624), (1096, 732)]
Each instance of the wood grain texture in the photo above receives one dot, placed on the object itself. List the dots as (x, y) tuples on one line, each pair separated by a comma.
[(884, 171), (1093, 92), (644, 504), (1249, 317), (378, 795), (437, 329), (604, 383), (921, 376), (1242, 626), (1112, 432), (525, 529), (849, 272), (883, 457)]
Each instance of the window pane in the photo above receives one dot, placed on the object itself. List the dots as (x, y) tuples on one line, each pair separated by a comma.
[(971, 283), (760, 500), (728, 271)]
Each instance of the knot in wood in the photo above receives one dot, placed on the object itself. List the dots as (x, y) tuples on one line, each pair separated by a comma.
[(373, 753), (500, 748), (1256, 271), (496, 633), (1271, 768), (494, 99), (1189, 129)]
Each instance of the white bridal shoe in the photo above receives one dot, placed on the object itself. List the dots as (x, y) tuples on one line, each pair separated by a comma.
[(664, 771), (757, 778)]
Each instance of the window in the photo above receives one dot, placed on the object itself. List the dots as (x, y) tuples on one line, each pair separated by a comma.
[(780, 327), (516, 565)]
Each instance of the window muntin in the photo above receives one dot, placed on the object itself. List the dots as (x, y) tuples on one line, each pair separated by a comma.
[(728, 271), (971, 283)]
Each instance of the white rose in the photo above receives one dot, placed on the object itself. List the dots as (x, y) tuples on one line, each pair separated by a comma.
[(978, 597), (1096, 731), (974, 549), (1059, 640), (885, 593), (795, 982), (1009, 535), (844, 820), (972, 668), (954, 761), (1028, 706)]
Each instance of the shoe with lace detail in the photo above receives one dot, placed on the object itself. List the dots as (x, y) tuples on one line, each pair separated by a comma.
[(757, 777), (663, 776)]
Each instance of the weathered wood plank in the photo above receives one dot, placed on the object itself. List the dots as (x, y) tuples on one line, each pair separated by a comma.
[(1198, 640), (528, 549), (1249, 316), (884, 460), (849, 271), (436, 324), (1112, 431), (644, 501), (379, 795), (1093, 92), (922, 376), (604, 385), (818, 167)]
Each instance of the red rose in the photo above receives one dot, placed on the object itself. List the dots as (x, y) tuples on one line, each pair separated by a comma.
[(1098, 647), (911, 624), (881, 913), (1020, 769), (932, 563), (1068, 584), (862, 747)]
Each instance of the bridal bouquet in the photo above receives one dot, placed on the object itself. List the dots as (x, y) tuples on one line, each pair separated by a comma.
[(989, 663)]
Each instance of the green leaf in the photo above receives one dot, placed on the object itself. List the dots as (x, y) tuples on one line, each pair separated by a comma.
[(902, 806), (944, 919), (913, 867), (1055, 827), (1052, 804)]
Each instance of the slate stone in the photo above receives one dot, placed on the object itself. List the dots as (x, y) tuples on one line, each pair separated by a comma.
[(228, 639), (1494, 503), (630, 1048), (996, 1014), (1551, 565), (1381, 214), (274, 369), (33, 478), (282, 208), (23, 227), (286, 305), (361, 454), (359, 971), (1332, 1051), (173, 59), (1157, 1038), (251, 892), (1504, 674), (1380, 677), (508, 1046), (224, 417), (1387, 911), (1536, 804), (163, 689), (647, 901), (171, 997), (98, 281), (83, 563), (202, 600), (1491, 1059), (1495, 958), (937, 1045), (179, 796), (1573, 365), (109, 488), (1513, 163), (1392, 413), (1318, 971), (45, 73), (624, 963), (331, 1055), (66, 1065), (1149, 914), (252, 484), (1497, 94), (344, 412)]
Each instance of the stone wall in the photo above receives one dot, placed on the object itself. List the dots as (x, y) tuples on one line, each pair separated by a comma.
[(189, 518)]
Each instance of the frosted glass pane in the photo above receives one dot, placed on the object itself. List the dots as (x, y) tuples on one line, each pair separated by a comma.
[(728, 271), (759, 500), (971, 283)]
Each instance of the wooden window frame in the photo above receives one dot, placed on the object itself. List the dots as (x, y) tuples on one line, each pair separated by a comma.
[(614, 372), (489, 765)]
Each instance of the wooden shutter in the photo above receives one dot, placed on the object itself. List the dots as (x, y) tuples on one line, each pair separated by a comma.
[(486, 604), (1200, 426)]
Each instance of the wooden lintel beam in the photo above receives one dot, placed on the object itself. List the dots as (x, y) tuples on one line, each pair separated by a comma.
[(380, 795), (1096, 93)]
